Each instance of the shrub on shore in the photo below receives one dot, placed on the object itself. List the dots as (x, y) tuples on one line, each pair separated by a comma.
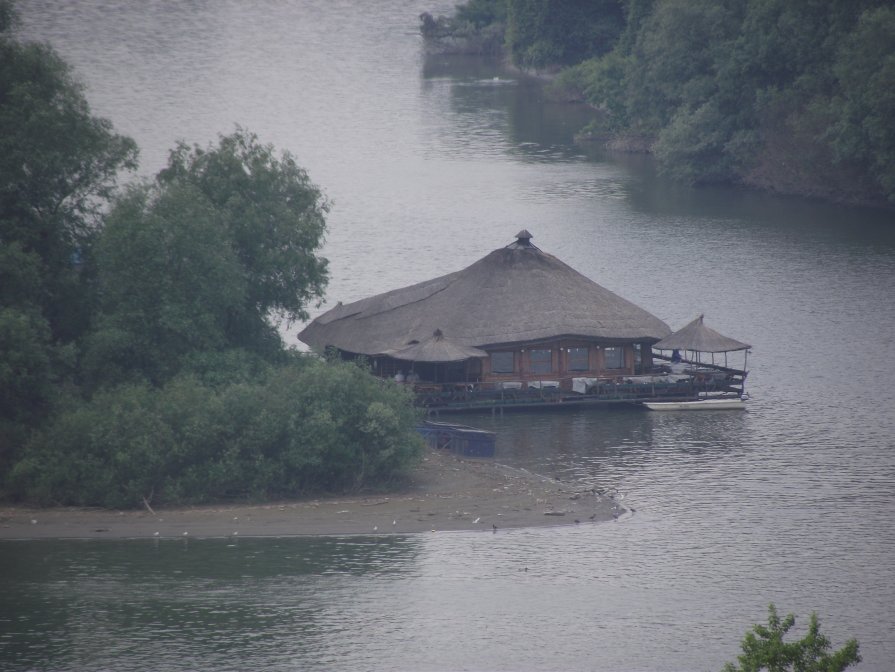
[(309, 427)]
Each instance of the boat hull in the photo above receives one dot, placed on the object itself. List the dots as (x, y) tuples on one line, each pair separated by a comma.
[(700, 405)]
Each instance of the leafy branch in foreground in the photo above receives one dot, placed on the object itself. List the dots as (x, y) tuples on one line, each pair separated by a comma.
[(764, 649)]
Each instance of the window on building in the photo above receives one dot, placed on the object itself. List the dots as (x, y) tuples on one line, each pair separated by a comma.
[(578, 360), (541, 361), (614, 358), (501, 362)]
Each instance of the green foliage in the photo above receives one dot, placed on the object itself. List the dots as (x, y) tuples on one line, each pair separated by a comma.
[(477, 27), (25, 377), (602, 81), (8, 17), (864, 109), (675, 58), (58, 167), (772, 92), (481, 13), (693, 146), (793, 96), (170, 282), (764, 649), (209, 258), (272, 214), (308, 427), (561, 32)]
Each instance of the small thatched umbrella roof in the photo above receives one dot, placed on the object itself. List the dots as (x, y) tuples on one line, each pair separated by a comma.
[(435, 349), (515, 294), (700, 338)]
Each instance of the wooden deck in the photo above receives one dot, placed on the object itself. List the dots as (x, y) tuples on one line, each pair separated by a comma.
[(465, 397)]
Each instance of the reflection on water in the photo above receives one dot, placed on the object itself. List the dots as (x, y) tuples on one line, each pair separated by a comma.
[(432, 163), (168, 604)]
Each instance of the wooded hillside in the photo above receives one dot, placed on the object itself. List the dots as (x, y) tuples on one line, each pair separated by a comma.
[(793, 97)]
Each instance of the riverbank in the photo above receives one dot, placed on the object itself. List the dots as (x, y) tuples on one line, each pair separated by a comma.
[(444, 493)]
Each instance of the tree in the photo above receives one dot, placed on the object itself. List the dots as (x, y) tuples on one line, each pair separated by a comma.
[(273, 215), (865, 108), (58, 167), (561, 32), (764, 649), (169, 283), (211, 257)]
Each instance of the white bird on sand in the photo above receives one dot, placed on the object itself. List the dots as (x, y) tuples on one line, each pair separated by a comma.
[(394, 522), (186, 534), (476, 520), (375, 528), (155, 534)]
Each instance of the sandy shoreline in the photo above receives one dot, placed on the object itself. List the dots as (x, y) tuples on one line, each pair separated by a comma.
[(445, 493)]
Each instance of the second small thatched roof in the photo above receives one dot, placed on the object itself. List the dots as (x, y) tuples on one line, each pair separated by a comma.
[(435, 349), (514, 294), (700, 338)]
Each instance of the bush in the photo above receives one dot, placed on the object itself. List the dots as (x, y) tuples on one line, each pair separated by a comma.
[(306, 427)]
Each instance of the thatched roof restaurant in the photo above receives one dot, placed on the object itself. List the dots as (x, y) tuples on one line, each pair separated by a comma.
[(518, 315)]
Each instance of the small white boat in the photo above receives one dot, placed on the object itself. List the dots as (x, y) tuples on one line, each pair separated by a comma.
[(721, 404)]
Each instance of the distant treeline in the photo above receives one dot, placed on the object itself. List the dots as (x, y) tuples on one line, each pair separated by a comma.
[(140, 355), (793, 97)]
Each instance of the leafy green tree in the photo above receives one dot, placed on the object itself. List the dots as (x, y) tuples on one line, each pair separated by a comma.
[(170, 282), (864, 111), (58, 167), (481, 13), (273, 216), (675, 58), (212, 257), (764, 649), (561, 32)]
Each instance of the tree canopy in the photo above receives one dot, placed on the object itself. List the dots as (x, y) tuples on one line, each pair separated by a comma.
[(765, 649), (273, 214), (212, 255), (141, 355), (794, 97), (58, 166)]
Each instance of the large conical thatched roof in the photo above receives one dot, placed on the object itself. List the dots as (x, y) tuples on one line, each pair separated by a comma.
[(700, 338), (515, 294)]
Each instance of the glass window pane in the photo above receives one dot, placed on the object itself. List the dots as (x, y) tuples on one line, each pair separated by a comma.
[(541, 361), (614, 358), (501, 362), (578, 359)]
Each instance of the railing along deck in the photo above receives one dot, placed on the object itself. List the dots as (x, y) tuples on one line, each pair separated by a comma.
[(465, 396)]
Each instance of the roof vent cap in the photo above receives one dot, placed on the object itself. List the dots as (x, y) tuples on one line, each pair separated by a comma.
[(522, 242)]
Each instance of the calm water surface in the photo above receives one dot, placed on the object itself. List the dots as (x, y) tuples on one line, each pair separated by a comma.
[(432, 163)]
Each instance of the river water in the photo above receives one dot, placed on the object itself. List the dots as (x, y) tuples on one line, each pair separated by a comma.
[(431, 163)]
